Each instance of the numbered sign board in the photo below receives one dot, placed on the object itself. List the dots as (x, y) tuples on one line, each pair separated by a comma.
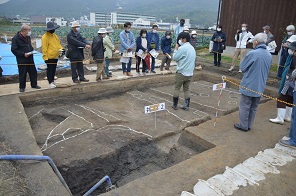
[(219, 86), (154, 108)]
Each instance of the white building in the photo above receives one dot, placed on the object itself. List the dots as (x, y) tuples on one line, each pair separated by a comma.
[(115, 18), (58, 20), (142, 22)]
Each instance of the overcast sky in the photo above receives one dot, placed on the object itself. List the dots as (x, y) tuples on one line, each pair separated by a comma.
[(3, 1)]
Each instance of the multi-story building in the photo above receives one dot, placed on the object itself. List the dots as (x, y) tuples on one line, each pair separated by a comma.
[(58, 20), (115, 18)]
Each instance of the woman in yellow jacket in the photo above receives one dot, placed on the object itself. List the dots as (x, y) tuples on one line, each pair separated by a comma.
[(51, 49)]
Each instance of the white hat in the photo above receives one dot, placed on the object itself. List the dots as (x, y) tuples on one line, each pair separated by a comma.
[(109, 29), (292, 39), (186, 28), (102, 30), (290, 28), (193, 33), (75, 24)]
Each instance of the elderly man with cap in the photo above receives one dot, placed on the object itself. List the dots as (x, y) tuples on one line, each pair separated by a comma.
[(109, 49), (270, 37), (76, 44), (51, 49), (97, 52), (291, 142), (22, 48), (284, 50)]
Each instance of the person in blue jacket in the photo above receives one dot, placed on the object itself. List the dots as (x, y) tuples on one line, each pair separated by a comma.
[(166, 47), (153, 43)]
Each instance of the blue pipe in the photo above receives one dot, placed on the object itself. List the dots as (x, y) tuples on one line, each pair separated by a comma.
[(105, 178), (38, 158)]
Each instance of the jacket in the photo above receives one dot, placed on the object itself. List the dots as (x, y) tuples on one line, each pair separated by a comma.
[(193, 41), (127, 40), (217, 46), (185, 57), (255, 67), (150, 37), (178, 30), (166, 45), (241, 41), (97, 49), (109, 47), (19, 47), (75, 40), (50, 46), (139, 44)]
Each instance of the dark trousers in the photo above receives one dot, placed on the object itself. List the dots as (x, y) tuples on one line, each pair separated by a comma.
[(77, 71), (51, 69), (286, 98), (144, 66), (31, 70), (247, 111), (280, 71), (215, 58), (152, 63)]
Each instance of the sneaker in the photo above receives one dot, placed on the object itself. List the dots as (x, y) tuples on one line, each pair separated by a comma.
[(143, 73), (286, 143), (147, 71), (152, 71), (36, 87), (76, 81), (138, 74), (236, 126), (22, 90), (55, 77), (52, 85), (240, 71)]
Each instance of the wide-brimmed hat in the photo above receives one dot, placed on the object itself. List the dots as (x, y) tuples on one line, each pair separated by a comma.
[(75, 24), (51, 26), (292, 39), (193, 33), (102, 30), (109, 30), (292, 46)]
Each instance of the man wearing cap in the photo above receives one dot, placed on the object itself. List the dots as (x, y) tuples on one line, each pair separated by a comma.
[(193, 39), (185, 56), (76, 44), (291, 142), (51, 49), (109, 49), (22, 48), (284, 50), (166, 47), (97, 52), (153, 43), (270, 37)]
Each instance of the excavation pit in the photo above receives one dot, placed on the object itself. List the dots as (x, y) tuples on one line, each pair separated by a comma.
[(89, 137)]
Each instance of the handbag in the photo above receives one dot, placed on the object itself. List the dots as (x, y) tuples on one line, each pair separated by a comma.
[(68, 52)]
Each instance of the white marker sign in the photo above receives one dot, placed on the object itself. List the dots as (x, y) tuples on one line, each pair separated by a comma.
[(154, 108), (219, 86)]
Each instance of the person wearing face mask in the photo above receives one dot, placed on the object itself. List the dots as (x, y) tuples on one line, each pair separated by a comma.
[(291, 142), (166, 47), (22, 48), (141, 44), (193, 39), (109, 49), (153, 43), (243, 37), (76, 44), (219, 39), (284, 50), (270, 37), (127, 43), (255, 67), (51, 49), (185, 57), (285, 93), (179, 28), (97, 52)]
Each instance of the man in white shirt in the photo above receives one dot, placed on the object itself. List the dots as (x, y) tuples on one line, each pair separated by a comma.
[(243, 37)]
